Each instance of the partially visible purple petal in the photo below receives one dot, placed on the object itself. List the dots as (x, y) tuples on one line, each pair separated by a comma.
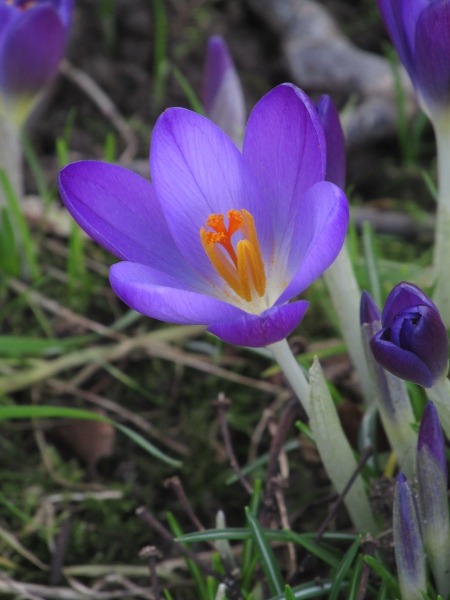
[(433, 53), (402, 363), (369, 311), (430, 434), (285, 147), (408, 543), (269, 327), (120, 211), (334, 136), (320, 226), (198, 171), (223, 97), (160, 296), (429, 341), (31, 51), (404, 296), (7, 15)]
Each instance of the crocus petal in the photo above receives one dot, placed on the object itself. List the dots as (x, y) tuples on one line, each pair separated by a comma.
[(198, 171), (285, 147), (336, 156), (404, 296), (433, 53), (120, 211), (159, 296), (408, 543), (30, 59), (430, 434), (223, 97), (429, 341), (369, 311), (7, 15), (269, 327), (402, 363), (320, 226)]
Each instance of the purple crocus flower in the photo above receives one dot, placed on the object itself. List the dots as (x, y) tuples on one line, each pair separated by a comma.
[(420, 32), (408, 543), (413, 342), (336, 154), (33, 34), (222, 96), (221, 238)]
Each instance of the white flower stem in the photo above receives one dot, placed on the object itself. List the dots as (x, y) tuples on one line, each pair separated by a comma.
[(440, 395), (346, 298), (10, 157), (335, 451), (292, 370), (442, 235)]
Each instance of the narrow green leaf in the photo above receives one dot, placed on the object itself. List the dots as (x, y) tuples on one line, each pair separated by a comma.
[(31, 411), (20, 225), (319, 550), (191, 96), (353, 591), (193, 568), (267, 557), (15, 346), (343, 569), (385, 575), (248, 553), (288, 593)]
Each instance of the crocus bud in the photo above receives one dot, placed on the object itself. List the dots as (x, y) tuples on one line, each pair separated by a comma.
[(390, 393), (409, 551), (334, 136), (33, 36), (420, 33), (432, 492), (223, 97), (412, 343)]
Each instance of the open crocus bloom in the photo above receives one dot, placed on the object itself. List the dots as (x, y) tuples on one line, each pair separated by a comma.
[(33, 35), (420, 32), (221, 238)]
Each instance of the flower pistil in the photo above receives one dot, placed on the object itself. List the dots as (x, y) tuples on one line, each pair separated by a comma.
[(241, 268)]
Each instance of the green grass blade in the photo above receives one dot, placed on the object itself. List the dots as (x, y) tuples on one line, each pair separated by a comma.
[(193, 568), (266, 555), (353, 591), (343, 569), (387, 577), (20, 225), (191, 96), (31, 411)]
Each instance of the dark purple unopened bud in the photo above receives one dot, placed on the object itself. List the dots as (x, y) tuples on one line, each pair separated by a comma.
[(413, 342), (334, 136), (409, 551)]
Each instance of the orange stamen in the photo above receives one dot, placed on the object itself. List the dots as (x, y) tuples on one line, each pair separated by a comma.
[(243, 268)]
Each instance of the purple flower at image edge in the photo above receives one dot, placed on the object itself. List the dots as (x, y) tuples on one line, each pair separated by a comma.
[(33, 36), (413, 342), (420, 32), (221, 238)]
